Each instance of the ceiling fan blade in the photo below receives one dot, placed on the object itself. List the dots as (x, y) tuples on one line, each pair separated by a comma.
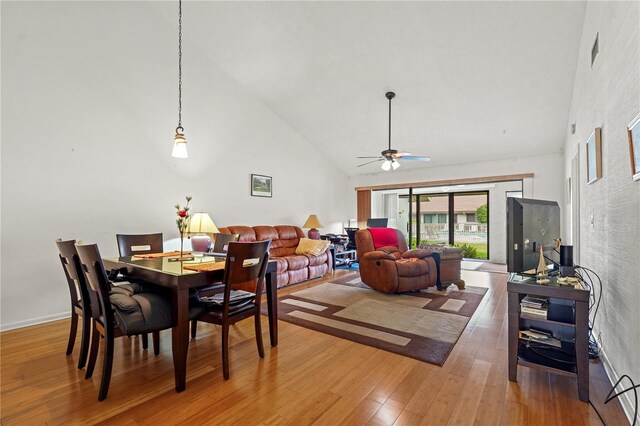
[(369, 162), (399, 155), (415, 158), (377, 156)]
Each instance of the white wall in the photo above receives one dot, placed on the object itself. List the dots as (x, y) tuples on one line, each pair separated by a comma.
[(607, 95), (89, 106)]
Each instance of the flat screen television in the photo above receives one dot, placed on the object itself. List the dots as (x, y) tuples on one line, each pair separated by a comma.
[(377, 222), (531, 224)]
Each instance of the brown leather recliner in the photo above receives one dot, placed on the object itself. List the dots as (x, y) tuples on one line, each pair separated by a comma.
[(394, 268)]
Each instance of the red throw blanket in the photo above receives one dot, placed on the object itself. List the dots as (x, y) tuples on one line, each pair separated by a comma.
[(383, 237)]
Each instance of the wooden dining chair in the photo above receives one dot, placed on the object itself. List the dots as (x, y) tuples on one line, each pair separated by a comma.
[(220, 246), (116, 314), (79, 299), (132, 244), (245, 266)]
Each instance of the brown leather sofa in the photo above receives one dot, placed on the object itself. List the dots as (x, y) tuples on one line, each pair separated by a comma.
[(292, 267), (394, 268)]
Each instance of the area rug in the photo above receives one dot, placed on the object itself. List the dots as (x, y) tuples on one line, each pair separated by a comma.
[(424, 325)]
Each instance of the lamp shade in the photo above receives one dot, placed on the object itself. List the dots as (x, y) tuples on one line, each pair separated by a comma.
[(313, 222), (179, 146), (201, 222)]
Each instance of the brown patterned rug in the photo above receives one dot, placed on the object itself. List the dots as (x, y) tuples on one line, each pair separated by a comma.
[(421, 325)]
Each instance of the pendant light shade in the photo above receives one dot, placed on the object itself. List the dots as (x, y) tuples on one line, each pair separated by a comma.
[(179, 141), (386, 165), (179, 144)]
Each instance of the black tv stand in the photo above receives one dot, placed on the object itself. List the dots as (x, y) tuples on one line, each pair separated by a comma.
[(569, 324)]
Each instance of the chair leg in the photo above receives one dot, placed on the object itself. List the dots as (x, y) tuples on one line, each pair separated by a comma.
[(225, 351), (194, 328), (145, 341), (259, 335), (84, 343), (73, 330), (107, 364), (93, 352), (156, 342)]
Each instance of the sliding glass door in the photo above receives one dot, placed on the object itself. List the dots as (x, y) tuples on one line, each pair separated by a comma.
[(430, 219), (460, 219), (471, 223)]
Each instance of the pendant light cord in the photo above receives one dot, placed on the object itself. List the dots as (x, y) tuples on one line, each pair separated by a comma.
[(179, 63), (389, 123)]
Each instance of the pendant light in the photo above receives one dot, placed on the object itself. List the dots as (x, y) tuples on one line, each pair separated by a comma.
[(179, 141)]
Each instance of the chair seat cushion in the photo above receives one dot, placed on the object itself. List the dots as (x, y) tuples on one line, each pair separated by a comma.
[(297, 262), (141, 313), (317, 260), (126, 287), (413, 267)]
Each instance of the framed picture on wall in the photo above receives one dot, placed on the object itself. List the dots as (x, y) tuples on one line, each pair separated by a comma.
[(261, 186), (594, 156), (634, 146)]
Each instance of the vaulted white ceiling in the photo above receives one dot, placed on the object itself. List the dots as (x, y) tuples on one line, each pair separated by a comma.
[(474, 80)]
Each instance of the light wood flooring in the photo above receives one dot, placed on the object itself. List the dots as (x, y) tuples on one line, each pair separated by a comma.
[(309, 378)]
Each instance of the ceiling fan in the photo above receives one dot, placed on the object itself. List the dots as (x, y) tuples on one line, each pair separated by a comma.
[(389, 156)]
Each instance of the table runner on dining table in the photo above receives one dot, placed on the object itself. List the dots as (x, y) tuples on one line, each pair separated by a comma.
[(158, 255), (202, 267)]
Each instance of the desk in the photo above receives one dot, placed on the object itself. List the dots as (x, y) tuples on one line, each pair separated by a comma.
[(172, 275), (345, 257)]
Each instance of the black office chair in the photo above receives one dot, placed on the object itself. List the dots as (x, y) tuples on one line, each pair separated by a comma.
[(351, 233)]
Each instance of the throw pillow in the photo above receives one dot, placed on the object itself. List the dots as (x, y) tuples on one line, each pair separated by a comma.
[(312, 247), (383, 237)]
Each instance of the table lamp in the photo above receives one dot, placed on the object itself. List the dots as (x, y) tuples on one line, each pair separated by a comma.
[(313, 222), (199, 224)]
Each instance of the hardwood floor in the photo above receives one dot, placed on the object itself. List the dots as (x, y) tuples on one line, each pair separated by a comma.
[(310, 378)]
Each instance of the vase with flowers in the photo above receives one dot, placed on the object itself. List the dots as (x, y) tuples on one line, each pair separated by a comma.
[(183, 223)]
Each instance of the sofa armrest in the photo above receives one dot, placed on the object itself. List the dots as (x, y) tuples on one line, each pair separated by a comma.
[(378, 255), (419, 253)]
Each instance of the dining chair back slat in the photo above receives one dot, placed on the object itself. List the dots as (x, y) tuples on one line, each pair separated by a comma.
[(132, 244)]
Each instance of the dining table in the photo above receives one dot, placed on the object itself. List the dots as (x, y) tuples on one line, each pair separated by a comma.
[(180, 279)]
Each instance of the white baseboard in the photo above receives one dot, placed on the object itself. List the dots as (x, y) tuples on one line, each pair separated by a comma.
[(625, 399), (35, 321)]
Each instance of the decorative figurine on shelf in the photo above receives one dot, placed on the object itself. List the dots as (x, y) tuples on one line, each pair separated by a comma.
[(183, 226), (541, 270)]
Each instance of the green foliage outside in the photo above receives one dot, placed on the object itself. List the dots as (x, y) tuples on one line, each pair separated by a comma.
[(469, 250), (482, 213)]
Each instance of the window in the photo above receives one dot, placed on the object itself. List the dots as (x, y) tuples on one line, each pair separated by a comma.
[(471, 217)]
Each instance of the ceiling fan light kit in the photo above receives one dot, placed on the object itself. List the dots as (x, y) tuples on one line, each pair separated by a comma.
[(390, 157)]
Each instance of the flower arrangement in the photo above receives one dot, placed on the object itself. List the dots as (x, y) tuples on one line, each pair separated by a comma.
[(183, 220)]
